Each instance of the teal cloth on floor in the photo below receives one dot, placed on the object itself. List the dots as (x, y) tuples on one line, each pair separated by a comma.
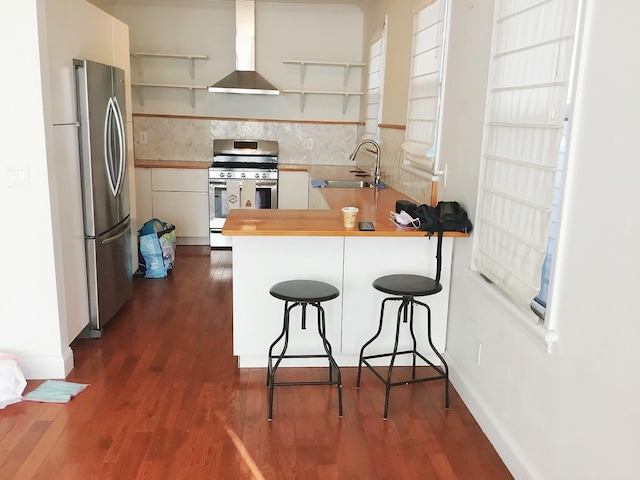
[(55, 391)]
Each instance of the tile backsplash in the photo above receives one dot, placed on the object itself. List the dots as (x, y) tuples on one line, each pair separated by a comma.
[(191, 139)]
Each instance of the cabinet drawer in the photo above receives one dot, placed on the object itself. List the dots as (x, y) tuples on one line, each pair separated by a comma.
[(180, 180)]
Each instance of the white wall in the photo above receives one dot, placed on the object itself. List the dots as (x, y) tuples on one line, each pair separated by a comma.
[(571, 414), (42, 249), (31, 305), (283, 31)]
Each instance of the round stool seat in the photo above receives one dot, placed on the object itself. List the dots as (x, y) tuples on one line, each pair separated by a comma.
[(304, 291), (407, 285)]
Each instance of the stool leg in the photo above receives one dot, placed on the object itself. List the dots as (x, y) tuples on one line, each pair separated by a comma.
[(444, 364), (272, 379), (376, 335), (415, 343), (401, 311), (323, 335), (327, 348), (284, 327)]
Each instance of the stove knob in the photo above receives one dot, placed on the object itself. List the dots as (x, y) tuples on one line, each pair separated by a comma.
[(257, 175), (242, 175), (264, 175), (228, 174), (222, 174)]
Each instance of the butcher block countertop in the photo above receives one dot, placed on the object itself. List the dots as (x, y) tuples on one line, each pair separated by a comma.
[(375, 206)]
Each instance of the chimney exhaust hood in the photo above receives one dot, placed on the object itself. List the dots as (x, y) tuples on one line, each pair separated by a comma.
[(245, 79)]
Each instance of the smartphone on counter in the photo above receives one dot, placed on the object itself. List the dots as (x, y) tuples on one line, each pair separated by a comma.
[(366, 226)]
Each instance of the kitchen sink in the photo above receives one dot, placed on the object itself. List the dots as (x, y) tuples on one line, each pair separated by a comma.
[(347, 184)]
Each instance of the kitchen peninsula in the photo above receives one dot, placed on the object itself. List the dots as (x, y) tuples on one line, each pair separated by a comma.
[(270, 246)]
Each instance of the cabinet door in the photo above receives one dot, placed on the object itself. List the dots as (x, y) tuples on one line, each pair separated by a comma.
[(316, 200), (71, 225), (122, 59), (60, 55), (188, 211), (144, 208), (293, 190), (92, 31), (361, 303), (261, 262)]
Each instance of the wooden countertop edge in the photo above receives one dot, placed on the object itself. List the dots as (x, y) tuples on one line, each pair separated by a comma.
[(310, 223), (147, 163), (332, 233)]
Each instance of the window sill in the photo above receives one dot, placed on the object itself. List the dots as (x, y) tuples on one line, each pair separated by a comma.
[(528, 322)]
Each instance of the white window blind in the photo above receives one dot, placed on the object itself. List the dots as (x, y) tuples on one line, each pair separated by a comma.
[(374, 89), (424, 89), (530, 70)]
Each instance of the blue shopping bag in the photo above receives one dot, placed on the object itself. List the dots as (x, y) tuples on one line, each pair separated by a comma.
[(156, 254)]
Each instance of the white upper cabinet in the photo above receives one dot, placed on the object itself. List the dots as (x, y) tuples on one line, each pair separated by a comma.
[(59, 44), (121, 59), (78, 29)]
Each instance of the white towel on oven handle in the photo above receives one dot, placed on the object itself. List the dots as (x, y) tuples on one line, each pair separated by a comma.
[(233, 194), (248, 194)]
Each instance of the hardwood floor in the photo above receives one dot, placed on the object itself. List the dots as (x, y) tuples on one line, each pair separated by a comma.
[(167, 401)]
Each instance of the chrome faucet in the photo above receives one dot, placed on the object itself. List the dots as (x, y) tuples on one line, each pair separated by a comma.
[(376, 171)]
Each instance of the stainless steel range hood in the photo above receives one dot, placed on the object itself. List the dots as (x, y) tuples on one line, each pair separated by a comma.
[(245, 79)]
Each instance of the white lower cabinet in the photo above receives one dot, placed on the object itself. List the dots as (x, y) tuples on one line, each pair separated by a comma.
[(348, 263), (293, 190), (179, 196), (316, 200), (188, 211)]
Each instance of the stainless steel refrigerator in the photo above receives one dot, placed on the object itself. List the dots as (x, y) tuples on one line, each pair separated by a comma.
[(105, 191)]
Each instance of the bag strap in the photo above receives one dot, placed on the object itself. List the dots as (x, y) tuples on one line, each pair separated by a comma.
[(440, 233)]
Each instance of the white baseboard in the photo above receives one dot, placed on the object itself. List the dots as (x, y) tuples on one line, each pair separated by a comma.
[(260, 361), (507, 449), (192, 241), (39, 367)]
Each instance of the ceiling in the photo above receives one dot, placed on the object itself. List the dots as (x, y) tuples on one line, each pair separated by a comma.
[(361, 3)]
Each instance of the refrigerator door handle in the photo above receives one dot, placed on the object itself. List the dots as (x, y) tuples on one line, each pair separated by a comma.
[(122, 157), (108, 148), (114, 238)]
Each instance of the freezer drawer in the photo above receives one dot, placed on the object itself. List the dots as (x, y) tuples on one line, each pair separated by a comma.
[(110, 279)]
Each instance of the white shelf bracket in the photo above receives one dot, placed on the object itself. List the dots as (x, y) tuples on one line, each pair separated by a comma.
[(140, 96), (140, 69), (192, 68), (193, 97), (302, 99), (303, 67), (346, 76)]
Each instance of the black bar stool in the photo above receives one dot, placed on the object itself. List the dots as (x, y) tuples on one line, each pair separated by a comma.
[(302, 293), (405, 288)]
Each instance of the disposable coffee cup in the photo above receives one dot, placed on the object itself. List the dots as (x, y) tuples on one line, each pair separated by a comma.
[(349, 216)]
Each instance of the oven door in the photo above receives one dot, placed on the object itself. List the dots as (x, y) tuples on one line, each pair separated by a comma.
[(266, 197)]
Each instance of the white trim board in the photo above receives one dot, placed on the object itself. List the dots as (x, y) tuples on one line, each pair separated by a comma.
[(506, 447), (39, 367)]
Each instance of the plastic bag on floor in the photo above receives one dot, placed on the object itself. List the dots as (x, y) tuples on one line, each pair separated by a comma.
[(156, 254), (12, 381)]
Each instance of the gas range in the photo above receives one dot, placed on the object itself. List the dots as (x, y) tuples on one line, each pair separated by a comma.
[(243, 174)]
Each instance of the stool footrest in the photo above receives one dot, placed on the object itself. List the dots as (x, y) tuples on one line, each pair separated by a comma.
[(406, 382), (296, 384), (298, 356)]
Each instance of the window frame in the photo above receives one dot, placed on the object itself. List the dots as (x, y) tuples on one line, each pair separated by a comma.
[(497, 86)]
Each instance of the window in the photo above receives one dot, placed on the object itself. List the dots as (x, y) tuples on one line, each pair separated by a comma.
[(530, 77), (375, 81), (424, 90), (539, 303)]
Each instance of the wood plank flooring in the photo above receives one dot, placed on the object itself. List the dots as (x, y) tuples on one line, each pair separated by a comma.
[(167, 401)]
